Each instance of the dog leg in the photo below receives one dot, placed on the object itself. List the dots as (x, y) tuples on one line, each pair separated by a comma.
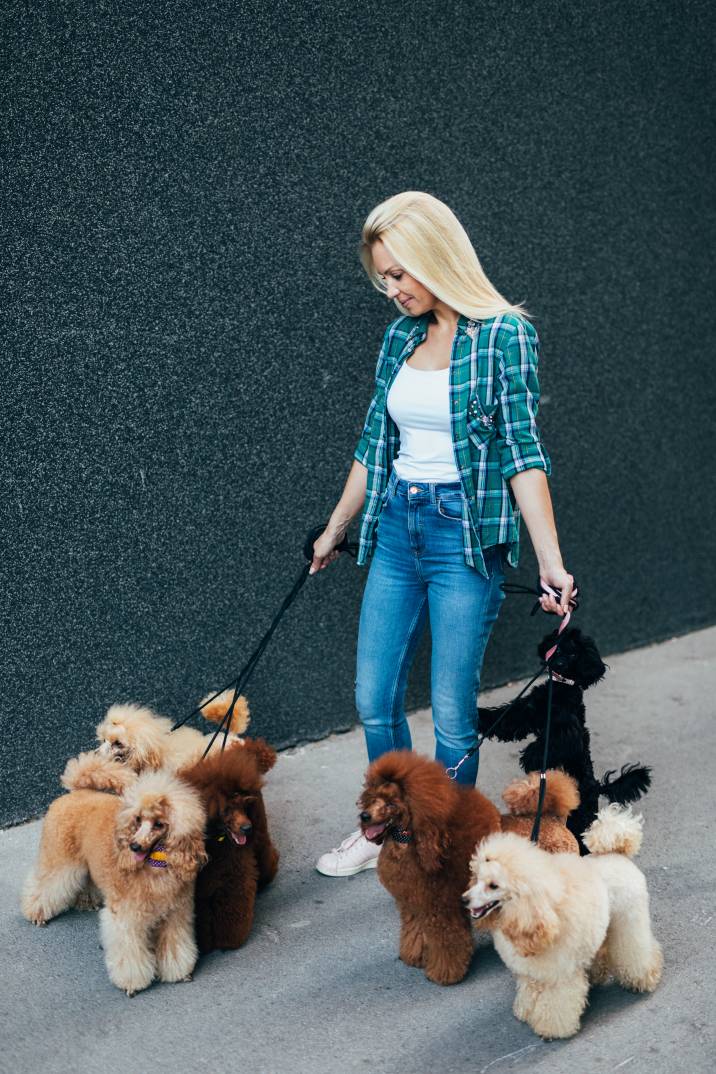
[(558, 1007), (448, 949), (125, 938), (233, 916), (600, 970), (47, 894), (412, 940), (90, 898), (525, 998), (633, 953), (175, 949)]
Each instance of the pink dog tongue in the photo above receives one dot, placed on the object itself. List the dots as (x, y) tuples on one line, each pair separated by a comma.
[(374, 829), (140, 855), (240, 839)]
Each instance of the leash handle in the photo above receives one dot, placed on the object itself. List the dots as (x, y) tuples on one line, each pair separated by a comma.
[(351, 547)]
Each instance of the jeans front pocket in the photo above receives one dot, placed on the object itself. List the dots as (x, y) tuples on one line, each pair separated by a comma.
[(450, 507)]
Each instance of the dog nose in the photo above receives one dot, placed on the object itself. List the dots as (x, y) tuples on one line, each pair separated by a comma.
[(365, 817), (135, 847), (246, 828)]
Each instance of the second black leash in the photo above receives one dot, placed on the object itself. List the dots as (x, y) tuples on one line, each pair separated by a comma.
[(239, 681)]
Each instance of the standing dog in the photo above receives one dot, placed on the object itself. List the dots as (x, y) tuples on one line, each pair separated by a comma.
[(141, 852), (560, 921), (428, 827)]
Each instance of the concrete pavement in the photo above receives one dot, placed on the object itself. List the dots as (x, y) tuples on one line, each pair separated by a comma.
[(319, 988)]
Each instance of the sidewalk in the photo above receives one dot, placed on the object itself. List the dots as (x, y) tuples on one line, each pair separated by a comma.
[(319, 988)]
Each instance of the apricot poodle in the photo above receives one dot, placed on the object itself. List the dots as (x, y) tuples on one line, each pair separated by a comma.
[(137, 736), (141, 852), (561, 921), (241, 857), (428, 827), (561, 798)]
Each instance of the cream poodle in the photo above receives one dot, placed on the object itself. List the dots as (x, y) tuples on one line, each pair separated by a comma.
[(141, 852), (136, 736), (561, 922)]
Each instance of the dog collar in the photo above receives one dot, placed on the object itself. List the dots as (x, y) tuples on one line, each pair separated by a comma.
[(158, 857), (560, 678), (401, 835)]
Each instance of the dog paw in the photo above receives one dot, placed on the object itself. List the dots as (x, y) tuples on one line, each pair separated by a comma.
[(39, 922)]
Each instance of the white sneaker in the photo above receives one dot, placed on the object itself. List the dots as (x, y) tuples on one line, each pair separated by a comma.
[(353, 855)]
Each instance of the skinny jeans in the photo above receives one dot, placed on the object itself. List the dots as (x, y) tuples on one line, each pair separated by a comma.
[(418, 571)]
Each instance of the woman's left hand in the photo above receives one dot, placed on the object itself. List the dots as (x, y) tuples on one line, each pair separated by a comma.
[(557, 578)]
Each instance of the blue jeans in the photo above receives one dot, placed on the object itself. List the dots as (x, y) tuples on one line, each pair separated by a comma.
[(418, 568)]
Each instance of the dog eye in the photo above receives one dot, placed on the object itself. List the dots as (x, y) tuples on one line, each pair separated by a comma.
[(138, 820), (157, 824), (492, 887)]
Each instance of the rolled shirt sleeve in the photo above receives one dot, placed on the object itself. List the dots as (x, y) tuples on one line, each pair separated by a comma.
[(518, 437)]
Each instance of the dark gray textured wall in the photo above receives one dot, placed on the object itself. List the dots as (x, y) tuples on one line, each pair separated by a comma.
[(191, 340)]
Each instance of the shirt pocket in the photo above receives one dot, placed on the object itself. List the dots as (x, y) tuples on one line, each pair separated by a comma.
[(481, 418)]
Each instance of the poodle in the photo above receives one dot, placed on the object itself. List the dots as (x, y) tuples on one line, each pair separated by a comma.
[(428, 826), (577, 665), (560, 921), (241, 857), (141, 852), (136, 736), (561, 797)]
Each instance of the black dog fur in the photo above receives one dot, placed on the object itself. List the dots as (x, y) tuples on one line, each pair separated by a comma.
[(577, 658)]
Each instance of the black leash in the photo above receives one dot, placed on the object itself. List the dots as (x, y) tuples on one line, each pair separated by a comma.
[(240, 680), (539, 592)]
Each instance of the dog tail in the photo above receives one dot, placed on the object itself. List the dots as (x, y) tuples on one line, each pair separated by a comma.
[(215, 710), (265, 755), (615, 831), (633, 781), (92, 772), (561, 795)]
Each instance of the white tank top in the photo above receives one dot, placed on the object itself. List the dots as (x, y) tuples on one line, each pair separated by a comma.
[(419, 404)]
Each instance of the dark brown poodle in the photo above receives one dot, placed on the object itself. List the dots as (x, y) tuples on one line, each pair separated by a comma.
[(242, 858), (428, 827)]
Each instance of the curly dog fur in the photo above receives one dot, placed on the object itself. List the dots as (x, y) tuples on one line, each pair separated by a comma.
[(560, 799), (577, 658), (96, 841), (428, 827), (242, 858), (137, 736), (561, 921)]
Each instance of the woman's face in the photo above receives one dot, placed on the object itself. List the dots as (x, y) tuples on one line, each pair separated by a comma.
[(411, 294)]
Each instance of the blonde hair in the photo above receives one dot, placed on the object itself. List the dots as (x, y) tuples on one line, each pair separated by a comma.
[(429, 242)]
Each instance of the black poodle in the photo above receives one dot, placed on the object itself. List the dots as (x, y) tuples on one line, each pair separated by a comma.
[(577, 665)]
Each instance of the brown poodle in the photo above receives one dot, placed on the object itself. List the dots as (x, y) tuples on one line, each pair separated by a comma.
[(428, 827), (141, 852), (560, 798), (242, 858)]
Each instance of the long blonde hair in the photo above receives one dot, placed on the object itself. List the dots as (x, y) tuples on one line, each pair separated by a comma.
[(429, 242)]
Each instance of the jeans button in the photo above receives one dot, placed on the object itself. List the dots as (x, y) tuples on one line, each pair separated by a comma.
[(413, 489)]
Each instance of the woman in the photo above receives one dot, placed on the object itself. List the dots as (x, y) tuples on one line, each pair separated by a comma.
[(449, 458)]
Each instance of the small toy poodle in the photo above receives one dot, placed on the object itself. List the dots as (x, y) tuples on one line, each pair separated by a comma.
[(561, 797), (141, 852), (577, 665), (241, 857), (428, 827), (137, 736), (560, 921)]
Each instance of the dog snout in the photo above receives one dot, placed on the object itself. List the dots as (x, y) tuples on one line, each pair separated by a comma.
[(246, 828), (365, 817), (135, 847)]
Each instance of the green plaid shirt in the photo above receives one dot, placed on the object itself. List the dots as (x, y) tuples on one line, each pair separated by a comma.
[(493, 406)]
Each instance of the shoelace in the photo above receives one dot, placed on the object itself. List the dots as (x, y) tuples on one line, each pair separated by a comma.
[(349, 842)]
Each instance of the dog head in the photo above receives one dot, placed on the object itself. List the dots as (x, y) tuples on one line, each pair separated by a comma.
[(577, 656), (230, 785), (404, 792), (161, 809), (516, 889), (133, 735)]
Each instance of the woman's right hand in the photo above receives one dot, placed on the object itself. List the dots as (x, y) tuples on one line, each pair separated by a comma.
[(325, 550)]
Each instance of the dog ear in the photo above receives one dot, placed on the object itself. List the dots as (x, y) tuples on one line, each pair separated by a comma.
[(530, 928), (147, 743), (187, 854), (431, 846)]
